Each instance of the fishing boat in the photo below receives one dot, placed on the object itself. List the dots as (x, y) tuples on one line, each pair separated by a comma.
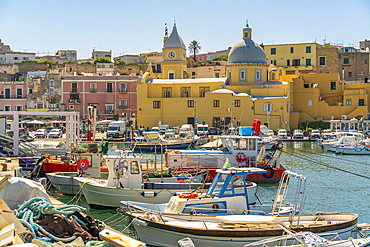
[(340, 138), (241, 151), (224, 197), (356, 148), (125, 183), (235, 230)]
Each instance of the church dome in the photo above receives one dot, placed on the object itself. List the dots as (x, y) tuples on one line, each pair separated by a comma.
[(174, 41), (246, 50)]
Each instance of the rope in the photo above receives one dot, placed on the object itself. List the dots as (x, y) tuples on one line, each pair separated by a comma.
[(324, 164), (35, 207)]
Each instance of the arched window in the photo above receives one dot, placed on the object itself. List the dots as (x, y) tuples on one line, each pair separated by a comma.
[(167, 94), (186, 94), (204, 93), (171, 74)]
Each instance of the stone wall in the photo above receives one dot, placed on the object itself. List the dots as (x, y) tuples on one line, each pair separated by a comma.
[(332, 60)]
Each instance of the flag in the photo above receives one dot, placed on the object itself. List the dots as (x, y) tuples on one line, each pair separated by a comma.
[(228, 109), (222, 119), (362, 120)]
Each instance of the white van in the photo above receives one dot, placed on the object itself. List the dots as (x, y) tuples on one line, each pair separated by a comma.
[(186, 130), (202, 130), (116, 129)]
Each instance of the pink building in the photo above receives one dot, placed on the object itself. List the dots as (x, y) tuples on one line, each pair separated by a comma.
[(110, 94), (13, 96)]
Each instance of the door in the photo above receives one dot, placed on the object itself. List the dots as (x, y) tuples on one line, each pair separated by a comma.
[(191, 121)]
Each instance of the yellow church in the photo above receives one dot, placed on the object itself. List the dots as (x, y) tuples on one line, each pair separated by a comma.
[(252, 89)]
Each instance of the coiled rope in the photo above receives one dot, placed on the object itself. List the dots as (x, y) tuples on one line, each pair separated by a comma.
[(35, 207)]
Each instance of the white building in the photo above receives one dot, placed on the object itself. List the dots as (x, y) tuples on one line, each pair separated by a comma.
[(15, 57)]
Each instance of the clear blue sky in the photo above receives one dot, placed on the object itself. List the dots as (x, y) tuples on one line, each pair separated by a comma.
[(134, 27)]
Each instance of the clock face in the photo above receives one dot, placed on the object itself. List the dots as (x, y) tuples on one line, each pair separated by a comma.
[(171, 54)]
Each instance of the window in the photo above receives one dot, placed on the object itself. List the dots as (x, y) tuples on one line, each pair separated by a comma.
[(19, 93), (258, 75), (156, 104), (296, 62), (30, 90), (361, 102), (322, 61), (92, 87), (267, 107), (15, 58), (229, 75), (171, 74), (134, 167), (308, 49), (7, 108), (203, 91), (306, 85), (167, 94), (40, 105), (74, 88), (242, 75), (109, 87), (193, 73), (291, 49), (288, 62), (122, 87), (237, 103), (333, 85), (365, 61), (349, 74), (51, 91), (216, 122), (25, 58), (308, 62), (346, 50), (273, 51), (122, 104), (217, 75), (51, 83), (309, 102), (190, 103), (7, 93), (288, 107), (348, 102), (216, 103), (185, 92), (273, 62), (111, 66), (19, 108), (73, 96), (109, 109), (346, 60)]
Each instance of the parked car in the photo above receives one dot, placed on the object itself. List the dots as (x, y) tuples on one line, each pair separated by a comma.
[(40, 133), (315, 134), (282, 133), (213, 131), (55, 133), (326, 134), (298, 134), (270, 133)]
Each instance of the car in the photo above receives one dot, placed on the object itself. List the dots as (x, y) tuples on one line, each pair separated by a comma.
[(315, 134), (282, 133), (326, 134), (298, 134), (270, 133), (213, 131), (40, 133), (55, 133)]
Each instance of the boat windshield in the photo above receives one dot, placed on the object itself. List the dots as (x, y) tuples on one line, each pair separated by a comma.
[(220, 183), (242, 144), (200, 128)]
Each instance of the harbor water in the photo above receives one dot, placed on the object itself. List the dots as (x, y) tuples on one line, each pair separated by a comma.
[(335, 183)]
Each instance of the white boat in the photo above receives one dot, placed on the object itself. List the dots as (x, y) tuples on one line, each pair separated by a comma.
[(362, 148), (125, 183), (236, 230), (341, 138), (224, 197)]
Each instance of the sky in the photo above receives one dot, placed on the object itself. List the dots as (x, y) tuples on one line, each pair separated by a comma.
[(134, 27)]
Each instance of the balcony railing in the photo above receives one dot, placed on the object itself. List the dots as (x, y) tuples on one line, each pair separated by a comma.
[(122, 90), (74, 90), (122, 107), (109, 111), (92, 90), (13, 96), (74, 101)]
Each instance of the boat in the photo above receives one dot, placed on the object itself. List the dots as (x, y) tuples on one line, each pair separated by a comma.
[(305, 239), (356, 148), (340, 138), (125, 183), (241, 151), (155, 143), (236, 230), (224, 197)]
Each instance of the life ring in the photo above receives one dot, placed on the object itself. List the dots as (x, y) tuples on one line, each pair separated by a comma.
[(188, 195), (240, 157), (279, 146), (83, 164), (272, 172)]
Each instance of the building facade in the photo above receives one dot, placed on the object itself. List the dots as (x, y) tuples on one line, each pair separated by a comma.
[(16, 57), (13, 95), (99, 54), (111, 95)]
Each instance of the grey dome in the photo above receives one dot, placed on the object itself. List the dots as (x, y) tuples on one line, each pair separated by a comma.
[(174, 41), (246, 51)]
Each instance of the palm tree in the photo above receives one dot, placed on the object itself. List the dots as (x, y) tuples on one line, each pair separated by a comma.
[(194, 47)]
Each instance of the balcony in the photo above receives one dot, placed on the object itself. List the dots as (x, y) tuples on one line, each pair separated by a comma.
[(122, 107), (13, 96), (122, 90), (74, 91), (109, 111), (74, 101), (93, 90)]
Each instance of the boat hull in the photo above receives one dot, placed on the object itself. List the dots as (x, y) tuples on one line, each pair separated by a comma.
[(157, 234), (352, 151), (149, 147)]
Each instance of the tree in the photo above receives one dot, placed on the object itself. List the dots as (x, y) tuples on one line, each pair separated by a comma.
[(102, 60), (69, 62), (87, 62), (45, 61), (29, 61), (120, 62), (48, 123), (194, 47)]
